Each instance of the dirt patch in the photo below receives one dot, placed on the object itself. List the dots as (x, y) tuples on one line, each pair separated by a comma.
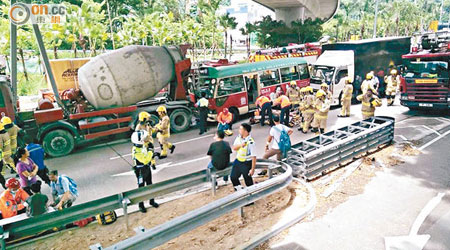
[(408, 150), (226, 232)]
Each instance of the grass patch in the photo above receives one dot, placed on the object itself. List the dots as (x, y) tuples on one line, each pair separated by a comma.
[(35, 82)]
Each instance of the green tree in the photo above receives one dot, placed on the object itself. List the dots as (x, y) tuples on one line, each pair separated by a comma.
[(227, 22)]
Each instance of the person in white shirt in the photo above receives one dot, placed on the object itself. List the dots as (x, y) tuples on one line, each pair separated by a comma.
[(274, 139)]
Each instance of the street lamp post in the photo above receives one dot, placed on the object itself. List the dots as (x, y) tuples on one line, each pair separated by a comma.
[(375, 20)]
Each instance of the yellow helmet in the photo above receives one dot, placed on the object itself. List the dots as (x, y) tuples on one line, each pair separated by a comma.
[(349, 80), (369, 76), (143, 116), (161, 109), (320, 93), (292, 83), (393, 72), (309, 89), (324, 85), (303, 90), (6, 120)]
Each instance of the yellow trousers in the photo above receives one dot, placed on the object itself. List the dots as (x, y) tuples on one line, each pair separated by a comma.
[(165, 145), (345, 109)]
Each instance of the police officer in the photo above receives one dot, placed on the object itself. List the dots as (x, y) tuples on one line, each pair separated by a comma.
[(142, 158), (163, 132), (346, 99), (309, 109), (322, 106), (293, 94), (145, 124), (369, 103), (202, 105), (245, 162), (392, 84)]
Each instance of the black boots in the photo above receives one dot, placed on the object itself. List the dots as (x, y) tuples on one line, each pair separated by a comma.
[(172, 149), (153, 203), (142, 207)]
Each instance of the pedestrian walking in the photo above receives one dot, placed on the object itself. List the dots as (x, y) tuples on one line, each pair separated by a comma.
[(142, 158), (64, 190), (12, 200), (274, 139), (265, 105), (26, 169), (322, 106), (245, 161), (392, 87), (36, 203), (309, 109), (219, 151), (163, 129), (202, 105), (346, 99), (285, 106), (37, 154), (369, 103)]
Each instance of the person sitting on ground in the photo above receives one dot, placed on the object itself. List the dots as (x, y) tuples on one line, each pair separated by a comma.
[(274, 139), (219, 151), (26, 169), (64, 190), (37, 203), (37, 156), (225, 119), (12, 199)]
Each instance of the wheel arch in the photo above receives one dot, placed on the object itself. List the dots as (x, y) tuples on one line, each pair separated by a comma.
[(46, 128)]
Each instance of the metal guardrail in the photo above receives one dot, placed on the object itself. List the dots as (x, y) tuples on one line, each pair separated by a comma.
[(314, 156), (35, 225), (160, 234)]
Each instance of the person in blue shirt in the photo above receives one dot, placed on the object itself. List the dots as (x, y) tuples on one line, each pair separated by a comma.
[(37, 155), (64, 190)]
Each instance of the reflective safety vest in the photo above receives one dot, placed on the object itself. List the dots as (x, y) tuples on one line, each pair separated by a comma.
[(347, 92), (283, 100), (203, 102), (142, 156), (243, 153), (262, 100)]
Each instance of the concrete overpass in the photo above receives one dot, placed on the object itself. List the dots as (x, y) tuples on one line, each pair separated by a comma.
[(292, 10)]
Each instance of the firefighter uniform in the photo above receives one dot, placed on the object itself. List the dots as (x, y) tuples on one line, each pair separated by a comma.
[(392, 84), (143, 158), (264, 103), (202, 106), (325, 89), (285, 105), (293, 94), (301, 107), (367, 84), (5, 146), (309, 110), (163, 134), (346, 99), (322, 107), (369, 103), (13, 131)]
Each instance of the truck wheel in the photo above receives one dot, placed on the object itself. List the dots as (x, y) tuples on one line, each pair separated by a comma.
[(180, 120), (235, 113), (58, 143)]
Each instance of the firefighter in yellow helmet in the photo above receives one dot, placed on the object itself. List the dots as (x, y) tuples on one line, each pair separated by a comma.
[(143, 159), (13, 131), (309, 109), (293, 93), (369, 102), (163, 134), (5, 146), (346, 99), (392, 86), (326, 90), (322, 107), (368, 83)]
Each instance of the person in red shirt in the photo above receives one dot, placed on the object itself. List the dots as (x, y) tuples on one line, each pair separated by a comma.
[(12, 199), (225, 120)]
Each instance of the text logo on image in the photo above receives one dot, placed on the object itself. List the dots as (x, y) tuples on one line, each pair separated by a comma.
[(21, 13)]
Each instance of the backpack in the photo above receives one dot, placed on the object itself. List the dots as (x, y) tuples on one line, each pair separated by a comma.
[(285, 142)]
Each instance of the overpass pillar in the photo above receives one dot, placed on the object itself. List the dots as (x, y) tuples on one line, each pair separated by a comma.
[(289, 15)]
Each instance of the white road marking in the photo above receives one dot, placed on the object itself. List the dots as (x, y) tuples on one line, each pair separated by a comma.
[(175, 143), (402, 137), (164, 166), (424, 213), (434, 140), (434, 131)]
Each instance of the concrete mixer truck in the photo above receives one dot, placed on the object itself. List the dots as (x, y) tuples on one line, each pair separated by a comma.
[(113, 88)]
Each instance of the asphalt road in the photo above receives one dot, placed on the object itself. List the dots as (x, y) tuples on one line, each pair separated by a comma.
[(105, 169)]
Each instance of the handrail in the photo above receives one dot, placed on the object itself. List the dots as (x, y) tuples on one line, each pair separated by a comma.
[(160, 234)]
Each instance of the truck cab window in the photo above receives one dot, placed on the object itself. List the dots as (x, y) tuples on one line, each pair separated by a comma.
[(303, 70), (230, 85), (340, 75), (289, 74), (207, 85), (269, 78)]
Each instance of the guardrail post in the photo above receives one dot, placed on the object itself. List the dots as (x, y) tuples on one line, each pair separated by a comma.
[(241, 212), (125, 202), (213, 183)]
